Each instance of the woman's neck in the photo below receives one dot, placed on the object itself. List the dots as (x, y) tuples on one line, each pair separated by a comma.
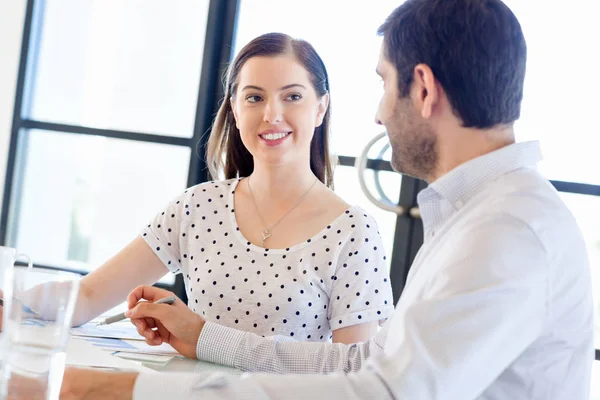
[(282, 183)]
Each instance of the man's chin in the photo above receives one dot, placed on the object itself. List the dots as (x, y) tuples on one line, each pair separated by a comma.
[(404, 170), (399, 167)]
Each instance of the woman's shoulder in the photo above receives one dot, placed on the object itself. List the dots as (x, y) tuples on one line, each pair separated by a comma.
[(353, 223), (209, 188), (361, 217), (215, 192)]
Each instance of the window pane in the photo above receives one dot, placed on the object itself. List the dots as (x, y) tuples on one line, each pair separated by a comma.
[(84, 197), (560, 103), (126, 65), (347, 187), (346, 38), (595, 388), (585, 209)]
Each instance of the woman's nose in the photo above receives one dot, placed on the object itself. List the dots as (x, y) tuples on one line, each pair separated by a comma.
[(273, 113)]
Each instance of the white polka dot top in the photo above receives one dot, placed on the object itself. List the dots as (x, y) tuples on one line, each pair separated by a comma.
[(335, 279)]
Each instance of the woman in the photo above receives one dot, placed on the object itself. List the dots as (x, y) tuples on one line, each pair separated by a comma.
[(271, 249)]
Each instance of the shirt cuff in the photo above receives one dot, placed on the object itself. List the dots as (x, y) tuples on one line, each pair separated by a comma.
[(207, 386), (150, 385), (219, 344)]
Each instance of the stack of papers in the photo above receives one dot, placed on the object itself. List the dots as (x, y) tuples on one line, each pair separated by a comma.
[(130, 346), (122, 340), (80, 353), (119, 330)]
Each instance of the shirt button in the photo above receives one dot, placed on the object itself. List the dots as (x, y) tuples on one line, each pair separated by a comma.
[(459, 204)]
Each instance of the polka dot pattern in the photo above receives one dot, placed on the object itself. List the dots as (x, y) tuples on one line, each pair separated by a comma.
[(335, 279)]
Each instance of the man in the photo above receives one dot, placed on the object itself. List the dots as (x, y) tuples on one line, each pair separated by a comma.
[(497, 304)]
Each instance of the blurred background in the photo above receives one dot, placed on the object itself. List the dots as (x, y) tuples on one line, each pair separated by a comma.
[(104, 106)]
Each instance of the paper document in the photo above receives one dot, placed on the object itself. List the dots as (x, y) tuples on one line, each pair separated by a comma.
[(81, 353), (130, 346), (153, 358), (118, 330), (143, 347)]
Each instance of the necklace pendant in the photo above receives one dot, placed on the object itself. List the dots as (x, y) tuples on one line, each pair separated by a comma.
[(265, 234)]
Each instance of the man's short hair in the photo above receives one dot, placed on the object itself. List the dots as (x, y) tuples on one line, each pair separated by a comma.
[(475, 49)]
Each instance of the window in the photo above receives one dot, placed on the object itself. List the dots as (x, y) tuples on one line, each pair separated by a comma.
[(84, 197), (122, 65), (107, 124), (560, 103), (585, 208), (595, 388)]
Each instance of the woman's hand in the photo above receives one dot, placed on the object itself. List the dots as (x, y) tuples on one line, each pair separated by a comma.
[(175, 324)]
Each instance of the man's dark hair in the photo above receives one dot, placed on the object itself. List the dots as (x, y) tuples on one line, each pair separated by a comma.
[(475, 49)]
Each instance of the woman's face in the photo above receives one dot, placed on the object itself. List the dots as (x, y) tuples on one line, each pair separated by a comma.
[(276, 109)]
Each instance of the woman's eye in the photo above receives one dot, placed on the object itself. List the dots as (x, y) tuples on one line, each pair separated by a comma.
[(253, 99), (294, 97)]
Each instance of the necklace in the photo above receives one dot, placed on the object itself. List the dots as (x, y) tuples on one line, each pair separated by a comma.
[(268, 232)]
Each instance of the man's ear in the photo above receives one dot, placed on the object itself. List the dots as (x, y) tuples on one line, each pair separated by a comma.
[(426, 91), (232, 104), (323, 106)]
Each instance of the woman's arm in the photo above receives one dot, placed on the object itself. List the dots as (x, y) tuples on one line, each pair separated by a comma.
[(360, 295), (110, 284), (356, 333)]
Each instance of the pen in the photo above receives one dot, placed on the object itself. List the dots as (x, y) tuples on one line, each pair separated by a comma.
[(120, 317)]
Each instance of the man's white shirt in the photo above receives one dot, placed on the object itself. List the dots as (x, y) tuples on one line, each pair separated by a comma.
[(497, 305)]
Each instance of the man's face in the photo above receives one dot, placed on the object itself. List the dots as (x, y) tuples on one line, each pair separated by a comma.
[(413, 141)]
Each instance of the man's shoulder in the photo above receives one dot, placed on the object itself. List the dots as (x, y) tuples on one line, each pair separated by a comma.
[(526, 196)]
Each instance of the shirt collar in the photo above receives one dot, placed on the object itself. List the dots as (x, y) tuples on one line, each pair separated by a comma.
[(458, 186)]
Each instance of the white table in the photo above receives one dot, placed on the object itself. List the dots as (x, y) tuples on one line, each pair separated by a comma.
[(81, 353)]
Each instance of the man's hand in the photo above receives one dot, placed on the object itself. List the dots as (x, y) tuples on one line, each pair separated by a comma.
[(175, 324), (21, 387), (88, 384), (78, 384)]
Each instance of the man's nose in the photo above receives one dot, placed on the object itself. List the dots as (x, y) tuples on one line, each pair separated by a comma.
[(378, 115)]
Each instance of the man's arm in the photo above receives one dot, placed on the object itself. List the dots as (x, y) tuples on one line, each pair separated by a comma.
[(366, 385), (282, 354)]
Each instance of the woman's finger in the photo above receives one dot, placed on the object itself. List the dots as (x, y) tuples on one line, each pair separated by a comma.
[(148, 293)]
